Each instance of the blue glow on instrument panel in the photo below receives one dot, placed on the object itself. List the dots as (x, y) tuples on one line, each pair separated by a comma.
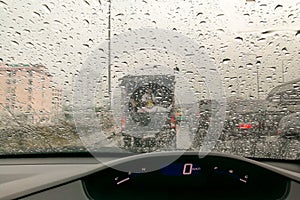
[(180, 169)]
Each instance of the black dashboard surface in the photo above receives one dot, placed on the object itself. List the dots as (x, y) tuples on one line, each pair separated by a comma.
[(211, 177), (148, 176)]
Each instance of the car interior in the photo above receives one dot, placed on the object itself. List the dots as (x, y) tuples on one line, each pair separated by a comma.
[(144, 99)]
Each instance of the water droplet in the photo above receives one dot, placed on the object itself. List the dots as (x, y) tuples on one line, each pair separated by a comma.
[(249, 65), (48, 10), (278, 7), (266, 32), (4, 3), (284, 50), (258, 63), (36, 14), (272, 68), (14, 42), (29, 44), (239, 39), (87, 2), (86, 21), (226, 61)]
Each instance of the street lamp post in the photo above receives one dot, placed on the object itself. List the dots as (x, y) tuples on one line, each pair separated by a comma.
[(257, 71), (257, 79), (282, 71), (284, 64), (109, 53)]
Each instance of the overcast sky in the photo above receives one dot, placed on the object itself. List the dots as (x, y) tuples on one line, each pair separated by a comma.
[(62, 35)]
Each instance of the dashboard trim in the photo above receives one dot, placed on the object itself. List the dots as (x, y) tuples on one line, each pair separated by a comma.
[(49, 175)]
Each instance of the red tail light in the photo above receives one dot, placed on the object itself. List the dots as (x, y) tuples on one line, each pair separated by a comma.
[(279, 132), (173, 122), (123, 123), (245, 126)]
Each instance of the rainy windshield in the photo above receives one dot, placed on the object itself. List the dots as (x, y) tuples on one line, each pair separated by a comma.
[(148, 76)]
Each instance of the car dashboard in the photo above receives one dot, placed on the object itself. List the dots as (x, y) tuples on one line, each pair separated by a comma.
[(161, 175)]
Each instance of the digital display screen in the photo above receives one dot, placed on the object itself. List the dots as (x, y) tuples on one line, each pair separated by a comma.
[(181, 169)]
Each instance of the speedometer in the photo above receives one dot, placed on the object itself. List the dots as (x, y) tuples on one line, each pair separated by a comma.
[(211, 177)]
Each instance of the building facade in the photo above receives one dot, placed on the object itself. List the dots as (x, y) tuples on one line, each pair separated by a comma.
[(27, 92)]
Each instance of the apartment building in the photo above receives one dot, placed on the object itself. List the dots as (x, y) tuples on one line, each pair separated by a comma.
[(27, 91)]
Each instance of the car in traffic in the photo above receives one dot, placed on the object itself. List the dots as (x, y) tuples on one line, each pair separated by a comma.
[(286, 94), (259, 118), (289, 126), (244, 119)]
